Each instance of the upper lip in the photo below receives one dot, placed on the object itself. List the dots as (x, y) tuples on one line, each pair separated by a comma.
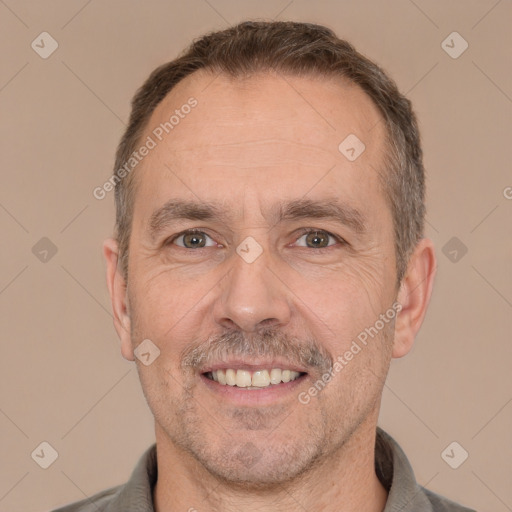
[(252, 365)]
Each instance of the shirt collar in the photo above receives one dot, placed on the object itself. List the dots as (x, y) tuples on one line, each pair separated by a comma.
[(397, 476), (137, 494)]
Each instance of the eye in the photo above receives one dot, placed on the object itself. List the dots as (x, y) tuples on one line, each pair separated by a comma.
[(313, 238), (318, 239), (192, 238)]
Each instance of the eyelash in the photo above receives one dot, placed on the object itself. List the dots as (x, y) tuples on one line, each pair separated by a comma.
[(303, 232)]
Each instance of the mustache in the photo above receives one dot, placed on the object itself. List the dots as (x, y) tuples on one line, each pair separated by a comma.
[(266, 343)]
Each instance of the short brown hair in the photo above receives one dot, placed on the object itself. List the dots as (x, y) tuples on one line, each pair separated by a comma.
[(300, 49)]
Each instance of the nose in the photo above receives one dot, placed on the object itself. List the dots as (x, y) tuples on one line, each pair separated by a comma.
[(252, 296)]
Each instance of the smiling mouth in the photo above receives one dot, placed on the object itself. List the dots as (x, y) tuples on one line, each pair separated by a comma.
[(252, 379)]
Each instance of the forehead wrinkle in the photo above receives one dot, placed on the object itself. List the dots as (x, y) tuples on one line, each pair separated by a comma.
[(253, 143), (254, 154)]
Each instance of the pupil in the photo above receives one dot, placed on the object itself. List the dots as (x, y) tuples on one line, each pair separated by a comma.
[(194, 240), (316, 239)]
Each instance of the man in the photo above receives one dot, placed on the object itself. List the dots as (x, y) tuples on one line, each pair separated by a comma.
[(268, 263)]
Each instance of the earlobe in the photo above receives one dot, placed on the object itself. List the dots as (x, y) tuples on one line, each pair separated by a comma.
[(118, 296), (414, 296)]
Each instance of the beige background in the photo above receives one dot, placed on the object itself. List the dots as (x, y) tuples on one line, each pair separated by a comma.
[(63, 378)]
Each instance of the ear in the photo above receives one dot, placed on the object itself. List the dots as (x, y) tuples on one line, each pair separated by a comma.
[(118, 296), (414, 296)]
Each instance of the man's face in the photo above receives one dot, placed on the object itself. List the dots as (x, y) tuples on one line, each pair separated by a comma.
[(263, 153)]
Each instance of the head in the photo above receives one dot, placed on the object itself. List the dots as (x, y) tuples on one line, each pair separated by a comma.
[(298, 249), (296, 49)]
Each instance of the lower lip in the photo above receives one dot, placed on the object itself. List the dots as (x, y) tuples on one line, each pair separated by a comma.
[(262, 396)]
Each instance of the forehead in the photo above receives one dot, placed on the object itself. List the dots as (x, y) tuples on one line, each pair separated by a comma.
[(308, 110), (281, 134)]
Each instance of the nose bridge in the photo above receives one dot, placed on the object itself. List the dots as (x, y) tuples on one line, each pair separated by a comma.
[(251, 295)]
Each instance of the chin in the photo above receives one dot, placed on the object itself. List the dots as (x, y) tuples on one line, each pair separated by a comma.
[(259, 465)]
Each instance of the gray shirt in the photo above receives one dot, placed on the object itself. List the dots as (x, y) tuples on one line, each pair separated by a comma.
[(391, 465)]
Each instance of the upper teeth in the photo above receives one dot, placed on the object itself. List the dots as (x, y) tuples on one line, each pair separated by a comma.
[(258, 379)]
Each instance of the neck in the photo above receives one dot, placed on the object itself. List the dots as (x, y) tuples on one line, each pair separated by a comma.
[(345, 482)]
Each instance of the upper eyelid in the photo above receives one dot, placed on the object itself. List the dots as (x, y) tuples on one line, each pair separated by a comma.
[(306, 231)]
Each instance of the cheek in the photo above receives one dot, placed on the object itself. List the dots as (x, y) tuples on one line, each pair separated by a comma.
[(163, 309), (344, 309), (348, 297)]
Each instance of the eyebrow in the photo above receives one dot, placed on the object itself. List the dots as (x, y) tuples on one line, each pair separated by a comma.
[(329, 209)]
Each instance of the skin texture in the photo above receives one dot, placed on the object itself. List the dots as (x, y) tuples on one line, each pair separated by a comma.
[(248, 145)]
